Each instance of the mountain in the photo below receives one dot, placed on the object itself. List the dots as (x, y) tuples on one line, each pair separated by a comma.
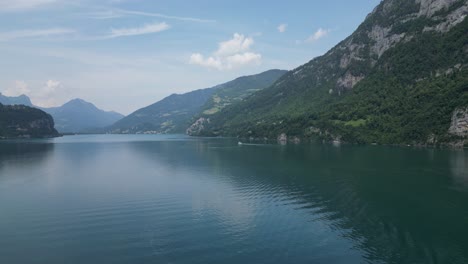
[(238, 89), (400, 78), (80, 116), (168, 115), (74, 116), (18, 100), (20, 121), (174, 113)]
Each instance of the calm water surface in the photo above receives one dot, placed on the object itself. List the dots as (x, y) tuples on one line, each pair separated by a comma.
[(173, 199)]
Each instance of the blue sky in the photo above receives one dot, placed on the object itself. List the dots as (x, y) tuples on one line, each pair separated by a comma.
[(122, 55)]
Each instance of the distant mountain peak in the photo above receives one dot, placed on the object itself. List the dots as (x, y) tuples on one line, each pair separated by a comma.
[(78, 115), (15, 100), (78, 102)]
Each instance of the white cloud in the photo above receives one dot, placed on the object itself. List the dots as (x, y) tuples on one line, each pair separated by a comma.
[(50, 86), (106, 14), (145, 29), (282, 28), (239, 43), (48, 94), (230, 54), (243, 59), (98, 59), (226, 63), (320, 33), (45, 96), (34, 33), (12, 5), (18, 88), (209, 62), (192, 19), (118, 13)]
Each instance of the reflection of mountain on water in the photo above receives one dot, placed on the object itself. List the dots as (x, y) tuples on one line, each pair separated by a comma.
[(397, 205), (21, 160), (11, 151), (459, 166)]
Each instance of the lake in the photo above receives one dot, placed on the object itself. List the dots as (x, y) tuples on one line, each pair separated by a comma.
[(175, 199)]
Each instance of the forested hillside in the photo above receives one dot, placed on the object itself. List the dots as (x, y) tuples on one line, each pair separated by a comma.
[(399, 78), (19, 121)]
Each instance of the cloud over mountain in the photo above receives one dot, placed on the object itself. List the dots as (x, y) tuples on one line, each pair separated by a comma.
[(231, 54)]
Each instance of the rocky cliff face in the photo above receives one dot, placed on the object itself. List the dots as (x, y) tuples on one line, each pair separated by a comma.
[(392, 22), (459, 124), (19, 121), (388, 26), (197, 128)]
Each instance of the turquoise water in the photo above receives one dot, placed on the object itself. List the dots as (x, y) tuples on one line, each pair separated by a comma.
[(174, 199)]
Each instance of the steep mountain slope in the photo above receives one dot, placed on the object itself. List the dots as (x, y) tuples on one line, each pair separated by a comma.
[(80, 116), (237, 90), (15, 100), (174, 113), (399, 78), (19, 121), (165, 116)]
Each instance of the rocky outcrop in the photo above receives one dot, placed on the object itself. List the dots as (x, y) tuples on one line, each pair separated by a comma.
[(459, 125), (197, 128), (383, 39), (348, 81), (430, 7), (282, 138), (447, 22), (383, 36), (354, 51)]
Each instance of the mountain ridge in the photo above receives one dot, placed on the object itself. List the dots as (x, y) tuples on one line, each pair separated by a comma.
[(174, 113), (74, 116), (15, 100), (79, 116)]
